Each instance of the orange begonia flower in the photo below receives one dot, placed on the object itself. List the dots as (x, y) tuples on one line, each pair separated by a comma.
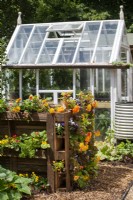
[(76, 178), (76, 109), (60, 109), (88, 137), (94, 104), (31, 97)]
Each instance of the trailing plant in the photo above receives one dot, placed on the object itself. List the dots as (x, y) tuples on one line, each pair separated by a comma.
[(12, 186), (84, 161)]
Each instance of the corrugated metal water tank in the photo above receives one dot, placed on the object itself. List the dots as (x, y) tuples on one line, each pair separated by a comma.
[(124, 120)]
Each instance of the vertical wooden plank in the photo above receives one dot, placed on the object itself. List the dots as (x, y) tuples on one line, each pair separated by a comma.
[(11, 127), (50, 157), (67, 153)]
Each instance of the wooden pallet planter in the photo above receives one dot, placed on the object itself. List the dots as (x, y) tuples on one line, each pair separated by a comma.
[(15, 123)]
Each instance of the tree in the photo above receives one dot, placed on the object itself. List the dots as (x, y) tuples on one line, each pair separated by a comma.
[(9, 13), (2, 71)]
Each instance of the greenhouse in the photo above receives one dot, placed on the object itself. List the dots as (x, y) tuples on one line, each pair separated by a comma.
[(88, 55), (66, 100)]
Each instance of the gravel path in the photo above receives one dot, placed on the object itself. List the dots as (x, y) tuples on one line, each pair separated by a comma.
[(111, 184)]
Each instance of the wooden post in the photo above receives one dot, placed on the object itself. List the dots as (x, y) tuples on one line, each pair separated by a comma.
[(51, 157)]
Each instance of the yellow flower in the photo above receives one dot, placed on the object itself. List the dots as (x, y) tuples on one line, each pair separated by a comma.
[(12, 185), (46, 104), (44, 101), (83, 147), (51, 110), (18, 100), (86, 177), (6, 136), (16, 109), (21, 175), (76, 109), (89, 107), (76, 178), (44, 142), (97, 159), (36, 178), (97, 133)]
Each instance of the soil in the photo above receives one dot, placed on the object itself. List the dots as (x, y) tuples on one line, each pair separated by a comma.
[(112, 183)]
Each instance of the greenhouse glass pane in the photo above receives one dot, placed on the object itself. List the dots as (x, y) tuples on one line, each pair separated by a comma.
[(48, 51), (107, 80), (65, 26), (67, 51), (88, 41), (106, 41), (19, 44), (124, 38), (100, 79), (123, 54), (34, 45)]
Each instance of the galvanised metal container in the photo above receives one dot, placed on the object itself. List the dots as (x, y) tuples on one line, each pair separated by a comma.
[(124, 120)]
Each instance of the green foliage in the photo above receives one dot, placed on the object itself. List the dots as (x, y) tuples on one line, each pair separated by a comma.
[(58, 166), (3, 59), (13, 186), (3, 106), (109, 150), (27, 145), (102, 120)]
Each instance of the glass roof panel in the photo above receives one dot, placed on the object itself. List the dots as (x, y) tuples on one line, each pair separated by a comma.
[(106, 41), (88, 41), (48, 51), (19, 44), (34, 45), (67, 42), (65, 26), (67, 51)]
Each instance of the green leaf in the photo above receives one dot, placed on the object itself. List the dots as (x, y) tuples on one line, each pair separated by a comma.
[(2, 175), (4, 196), (25, 189)]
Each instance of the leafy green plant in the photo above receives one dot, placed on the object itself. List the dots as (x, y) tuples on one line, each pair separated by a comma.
[(59, 129), (27, 145), (125, 151), (58, 166), (102, 120), (38, 183), (31, 143), (3, 106), (109, 150), (12, 186)]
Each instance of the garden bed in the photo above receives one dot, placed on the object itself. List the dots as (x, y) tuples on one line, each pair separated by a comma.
[(112, 183)]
